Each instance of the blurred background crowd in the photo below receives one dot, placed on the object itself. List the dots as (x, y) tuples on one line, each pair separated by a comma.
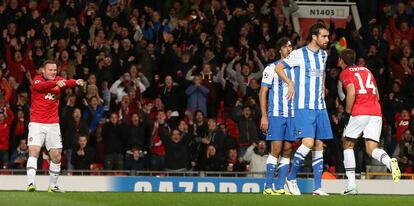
[(173, 84)]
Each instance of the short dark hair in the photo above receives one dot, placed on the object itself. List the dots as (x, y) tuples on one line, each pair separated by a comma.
[(49, 61), (348, 56), (315, 29)]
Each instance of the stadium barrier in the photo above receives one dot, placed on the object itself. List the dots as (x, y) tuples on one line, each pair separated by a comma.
[(195, 184)]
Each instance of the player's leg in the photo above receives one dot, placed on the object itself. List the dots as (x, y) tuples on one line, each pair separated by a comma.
[(300, 155), (317, 164), (323, 132), (283, 167), (379, 154), (271, 163), (36, 138), (54, 146), (284, 162), (298, 159), (305, 122), (372, 135), (276, 125), (31, 167), (54, 166), (349, 164), (352, 132)]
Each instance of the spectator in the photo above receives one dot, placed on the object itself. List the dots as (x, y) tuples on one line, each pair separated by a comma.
[(160, 130), (209, 161), (123, 85), (247, 127), (411, 126), (19, 129), (394, 102), (213, 136), (125, 49), (209, 80), (229, 141), (92, 91), (19, 156), (72, 127), (127, 108), (256, 155), (6, 119), (233, 162), (136, 134), (197, 96), (402, 123), (114, 144), (83, 155), (404, 151), (373, 59), (93, 113), (177, 151), (139, 79), (172, 96), (200, 126), (5, 89), (136, 161)]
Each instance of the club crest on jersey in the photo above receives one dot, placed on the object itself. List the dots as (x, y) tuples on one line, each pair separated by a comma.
[(265, 75), (30, 139), (37, 81)]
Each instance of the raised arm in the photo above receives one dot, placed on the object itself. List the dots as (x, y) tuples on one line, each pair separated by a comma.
[(39, 85), (189, 76), (258, 74)]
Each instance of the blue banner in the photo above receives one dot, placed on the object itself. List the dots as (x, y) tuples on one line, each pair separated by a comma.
[(196, 184)]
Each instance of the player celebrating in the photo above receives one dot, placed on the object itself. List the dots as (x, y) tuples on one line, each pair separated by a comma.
[(362, 102), (44, 123), (311, 117), (279, 122)]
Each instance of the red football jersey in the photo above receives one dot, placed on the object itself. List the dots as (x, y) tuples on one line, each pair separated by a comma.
[(45, 99), (366, 101)]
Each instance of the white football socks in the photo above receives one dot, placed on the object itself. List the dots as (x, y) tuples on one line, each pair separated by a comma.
[(271, 160), (382, 156), (54, 171), (349, 163), (31, 168)]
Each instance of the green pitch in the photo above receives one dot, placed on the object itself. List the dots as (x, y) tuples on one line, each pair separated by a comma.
[(196, 199)]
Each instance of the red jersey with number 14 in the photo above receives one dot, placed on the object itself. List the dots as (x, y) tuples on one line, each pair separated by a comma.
[(366, 100), (45, 99)]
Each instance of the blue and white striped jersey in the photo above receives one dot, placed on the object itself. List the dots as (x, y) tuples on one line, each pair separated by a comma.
[(278, 105), (309, 69)]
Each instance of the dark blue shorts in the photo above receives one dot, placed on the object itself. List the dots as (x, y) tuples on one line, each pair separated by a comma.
[(312, 123), (281, 129)]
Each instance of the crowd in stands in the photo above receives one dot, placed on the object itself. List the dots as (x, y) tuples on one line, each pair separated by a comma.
[(173, 84)]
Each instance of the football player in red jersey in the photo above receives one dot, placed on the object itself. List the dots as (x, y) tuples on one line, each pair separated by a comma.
[(362, 116), (44, 122)]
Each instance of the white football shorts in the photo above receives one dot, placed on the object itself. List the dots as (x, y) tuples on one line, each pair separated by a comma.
[(48, 134), (369, 126)]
